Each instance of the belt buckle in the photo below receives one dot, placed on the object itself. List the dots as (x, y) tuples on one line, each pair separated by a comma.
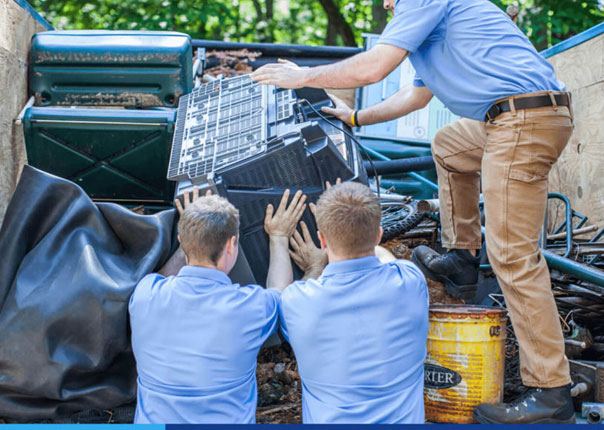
[(497, 109)]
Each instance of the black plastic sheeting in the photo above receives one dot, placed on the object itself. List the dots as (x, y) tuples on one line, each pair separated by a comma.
[(67, 270)]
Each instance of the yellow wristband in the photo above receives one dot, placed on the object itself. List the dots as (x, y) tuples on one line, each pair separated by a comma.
[(352, 115)]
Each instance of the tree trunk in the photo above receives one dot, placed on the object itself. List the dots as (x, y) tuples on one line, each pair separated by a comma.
[(258, 7), (259, 17), (332, 35), (342, 27), (269, 19), (202, 29), (379, 16)]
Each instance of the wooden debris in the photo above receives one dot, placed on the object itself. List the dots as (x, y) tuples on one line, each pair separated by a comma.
[(232, 63)]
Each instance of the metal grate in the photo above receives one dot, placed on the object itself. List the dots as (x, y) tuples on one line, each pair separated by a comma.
[(218, 124), (284, 105)]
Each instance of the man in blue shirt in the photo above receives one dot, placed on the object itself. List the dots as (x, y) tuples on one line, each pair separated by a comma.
[(196, 335), (359, 329), (516, 122)]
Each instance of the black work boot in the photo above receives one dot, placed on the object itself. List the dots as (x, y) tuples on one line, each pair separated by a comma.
[(536, 406), (457, 269)]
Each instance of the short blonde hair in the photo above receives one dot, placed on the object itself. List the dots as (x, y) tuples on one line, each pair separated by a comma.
[(206, 226), (349, 217)]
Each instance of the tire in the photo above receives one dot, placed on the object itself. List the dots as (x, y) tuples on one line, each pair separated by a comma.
[(408, 218)]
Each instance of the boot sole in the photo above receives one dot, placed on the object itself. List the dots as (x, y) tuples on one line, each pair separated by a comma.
[(484, 420), (464, 292)]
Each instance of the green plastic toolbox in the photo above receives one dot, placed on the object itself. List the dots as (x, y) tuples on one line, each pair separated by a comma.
[(110, 68), (118, 155)]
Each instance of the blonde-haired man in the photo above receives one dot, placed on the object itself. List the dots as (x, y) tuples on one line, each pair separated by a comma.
[(359, 330), (196, 335)]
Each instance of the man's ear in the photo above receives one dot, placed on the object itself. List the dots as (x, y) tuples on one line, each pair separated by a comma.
[(322, 240), (178, 237), (379, 236), (232, 245)]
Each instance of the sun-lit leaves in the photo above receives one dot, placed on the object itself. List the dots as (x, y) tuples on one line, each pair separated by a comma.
[(546, 22)]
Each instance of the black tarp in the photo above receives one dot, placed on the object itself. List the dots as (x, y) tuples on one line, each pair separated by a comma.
[(67, 269)]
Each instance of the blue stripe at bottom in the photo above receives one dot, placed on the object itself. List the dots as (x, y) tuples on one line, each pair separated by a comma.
[(85, 426), (365, 427)]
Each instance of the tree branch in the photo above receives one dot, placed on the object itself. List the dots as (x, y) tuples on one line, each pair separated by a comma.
[(339, 22)]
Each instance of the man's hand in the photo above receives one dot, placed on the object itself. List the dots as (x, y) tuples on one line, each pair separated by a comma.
[(306, 255), (341, 110), (312, 206), (328, 184), (279, 226), (188, 199), (284, 74), (283, 222)]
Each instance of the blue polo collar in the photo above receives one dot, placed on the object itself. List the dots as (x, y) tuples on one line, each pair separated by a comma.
[(352, 265), (206, 273)]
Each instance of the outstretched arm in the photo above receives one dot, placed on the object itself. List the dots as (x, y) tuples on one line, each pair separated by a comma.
[(357, 71), (401, 103), (280, 225)]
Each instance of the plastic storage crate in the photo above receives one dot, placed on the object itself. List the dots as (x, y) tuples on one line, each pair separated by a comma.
[(110, 68), (116, 155)]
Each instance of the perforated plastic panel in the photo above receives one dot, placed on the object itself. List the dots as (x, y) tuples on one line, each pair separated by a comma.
[(223, 123)]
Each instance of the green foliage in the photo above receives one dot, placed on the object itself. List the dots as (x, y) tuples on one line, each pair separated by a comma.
[(546, 22)]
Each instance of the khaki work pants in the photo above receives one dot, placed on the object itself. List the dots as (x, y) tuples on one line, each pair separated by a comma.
[(515, 153)]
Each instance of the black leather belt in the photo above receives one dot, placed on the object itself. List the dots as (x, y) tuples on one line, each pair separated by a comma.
[(530, 102)]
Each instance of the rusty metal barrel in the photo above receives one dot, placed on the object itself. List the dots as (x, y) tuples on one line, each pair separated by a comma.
[(465, 362)]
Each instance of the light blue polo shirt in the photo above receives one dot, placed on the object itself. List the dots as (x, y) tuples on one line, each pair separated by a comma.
[(359, 334), (196, 337), (469, 53)]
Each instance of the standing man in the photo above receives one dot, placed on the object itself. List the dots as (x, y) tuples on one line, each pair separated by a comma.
[(517, 120)]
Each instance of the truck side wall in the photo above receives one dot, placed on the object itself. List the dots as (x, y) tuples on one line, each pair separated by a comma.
[(17, 27), (579, 173)]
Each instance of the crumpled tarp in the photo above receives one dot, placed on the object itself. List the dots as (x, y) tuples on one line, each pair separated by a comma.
[(67, 270)]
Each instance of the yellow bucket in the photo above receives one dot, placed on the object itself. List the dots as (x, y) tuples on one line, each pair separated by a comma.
[(465, 361)]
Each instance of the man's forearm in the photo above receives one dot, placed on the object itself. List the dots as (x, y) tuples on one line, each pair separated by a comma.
[(357, 71), (401, 103), (342, 74), (280, 273)]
